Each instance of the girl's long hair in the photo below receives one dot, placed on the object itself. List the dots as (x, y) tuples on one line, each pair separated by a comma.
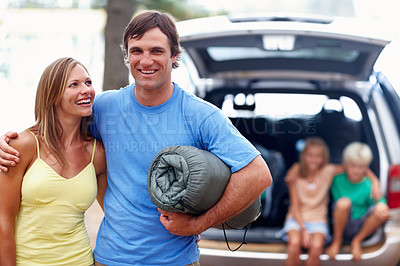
[(49, 92), (313, 141)]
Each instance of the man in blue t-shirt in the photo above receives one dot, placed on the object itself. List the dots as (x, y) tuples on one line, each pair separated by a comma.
[(135, 123)]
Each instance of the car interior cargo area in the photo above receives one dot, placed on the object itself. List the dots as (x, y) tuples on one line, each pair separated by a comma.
[(277, 122)]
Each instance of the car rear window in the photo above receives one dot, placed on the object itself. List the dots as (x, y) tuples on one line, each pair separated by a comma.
[(220, 54), (285, 105)]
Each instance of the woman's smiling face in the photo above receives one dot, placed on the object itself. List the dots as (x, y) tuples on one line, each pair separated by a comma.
[(78, 94)]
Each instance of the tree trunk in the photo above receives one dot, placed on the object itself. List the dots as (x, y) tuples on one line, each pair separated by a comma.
[(119, 13)]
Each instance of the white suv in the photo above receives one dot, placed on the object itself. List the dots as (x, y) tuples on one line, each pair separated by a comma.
[(280, 80)]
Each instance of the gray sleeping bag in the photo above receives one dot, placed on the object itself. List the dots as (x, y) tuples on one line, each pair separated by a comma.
[(190, 180)]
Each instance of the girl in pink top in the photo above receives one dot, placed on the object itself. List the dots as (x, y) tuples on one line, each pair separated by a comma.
[(309, 180)]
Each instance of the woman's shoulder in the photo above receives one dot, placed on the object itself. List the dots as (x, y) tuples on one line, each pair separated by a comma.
[(24, 141), (26, 145), (99, 160), (99, 149)]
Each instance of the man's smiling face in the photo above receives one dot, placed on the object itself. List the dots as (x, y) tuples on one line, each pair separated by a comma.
[(150, 60)]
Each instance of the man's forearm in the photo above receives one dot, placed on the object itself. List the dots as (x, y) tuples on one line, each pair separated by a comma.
[(244, 187)]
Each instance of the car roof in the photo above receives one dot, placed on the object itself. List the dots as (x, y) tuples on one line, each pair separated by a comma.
[(286, 46)]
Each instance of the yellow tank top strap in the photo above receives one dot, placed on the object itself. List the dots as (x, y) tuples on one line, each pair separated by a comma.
[(37, 143), (94, 148)]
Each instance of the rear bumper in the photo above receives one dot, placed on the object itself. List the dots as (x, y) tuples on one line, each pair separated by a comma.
[(385, 253), (388, 254)]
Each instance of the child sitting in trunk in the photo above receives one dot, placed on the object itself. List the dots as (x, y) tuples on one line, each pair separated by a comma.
[(356, 214), (309, 182)]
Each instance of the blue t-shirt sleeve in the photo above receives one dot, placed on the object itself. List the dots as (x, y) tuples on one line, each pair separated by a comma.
[(223, 139)]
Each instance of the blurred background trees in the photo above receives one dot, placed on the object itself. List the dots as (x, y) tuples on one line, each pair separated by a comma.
[(118, 15)]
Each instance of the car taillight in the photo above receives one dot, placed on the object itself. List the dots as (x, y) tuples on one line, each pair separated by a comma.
[(393, 195)]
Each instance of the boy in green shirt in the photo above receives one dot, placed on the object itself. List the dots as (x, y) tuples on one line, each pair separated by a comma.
[(356, 215)]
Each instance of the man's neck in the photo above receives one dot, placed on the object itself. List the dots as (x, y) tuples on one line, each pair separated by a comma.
[(150, 97)]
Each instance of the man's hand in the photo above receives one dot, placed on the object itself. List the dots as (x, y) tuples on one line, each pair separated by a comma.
[(180, 223), (8, 156), (242, 190)]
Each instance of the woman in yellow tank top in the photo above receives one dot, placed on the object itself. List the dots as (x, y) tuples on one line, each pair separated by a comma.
[(62, 168)]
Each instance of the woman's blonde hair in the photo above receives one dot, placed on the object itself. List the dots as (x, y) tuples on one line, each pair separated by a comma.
[(49, 92), (313, 141), (357, 152)]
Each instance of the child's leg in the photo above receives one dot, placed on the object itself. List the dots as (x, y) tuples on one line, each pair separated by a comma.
[(379, 215), (340, 218), (293, 248), (316, 248)]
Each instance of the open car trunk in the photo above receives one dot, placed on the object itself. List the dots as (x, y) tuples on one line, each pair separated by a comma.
[(281, 80), (280, 121)]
